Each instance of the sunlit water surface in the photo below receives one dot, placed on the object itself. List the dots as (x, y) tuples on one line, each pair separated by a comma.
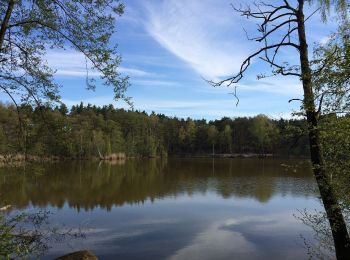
[(172, 209)]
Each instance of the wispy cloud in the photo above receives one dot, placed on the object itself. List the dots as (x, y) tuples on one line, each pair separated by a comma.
[(76, 73), (324, 40), (216, 243), (286, 86), (134, 72), (73, 64), (154, 82), (193, 30)]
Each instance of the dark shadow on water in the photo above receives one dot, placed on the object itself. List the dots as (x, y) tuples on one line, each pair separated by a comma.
[(89, 185)]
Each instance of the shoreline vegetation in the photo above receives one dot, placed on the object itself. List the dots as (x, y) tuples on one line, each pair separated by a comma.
[(14, 160), (19, 159)]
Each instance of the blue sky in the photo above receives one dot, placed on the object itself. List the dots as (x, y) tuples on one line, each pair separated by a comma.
[(169, 46)]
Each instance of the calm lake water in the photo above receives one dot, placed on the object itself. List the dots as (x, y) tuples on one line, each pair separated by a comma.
[(172, 209)]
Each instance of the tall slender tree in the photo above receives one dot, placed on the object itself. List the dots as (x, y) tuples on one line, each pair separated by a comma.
[(212, 137)]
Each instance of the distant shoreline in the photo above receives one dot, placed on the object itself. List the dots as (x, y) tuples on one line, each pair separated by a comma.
[(241, 155), (232, 155), (20, 159)]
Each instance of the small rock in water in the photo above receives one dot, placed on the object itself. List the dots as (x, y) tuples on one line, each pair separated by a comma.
[(80, 255)]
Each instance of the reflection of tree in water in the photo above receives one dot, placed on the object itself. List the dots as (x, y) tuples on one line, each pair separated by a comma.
[(87, 185), (322, 244), (31, 234)]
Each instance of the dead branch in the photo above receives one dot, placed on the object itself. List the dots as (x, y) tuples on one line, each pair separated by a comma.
[(273, 19), (246, 63)]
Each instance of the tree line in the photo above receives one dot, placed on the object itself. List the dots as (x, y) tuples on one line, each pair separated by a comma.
[(89, 131)]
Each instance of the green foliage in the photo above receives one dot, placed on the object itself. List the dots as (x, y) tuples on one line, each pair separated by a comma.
[(226, 138), (90, 131), (30, 28), (7, 245), (264, 132), (152, 147), (28, 235), (336, 143), (332, 89), (331, 77), (212, 134), (16, 241), (341, 7)]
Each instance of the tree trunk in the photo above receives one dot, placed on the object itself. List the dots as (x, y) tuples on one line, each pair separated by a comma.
[(5, 22), (98, 149), (331, 205)]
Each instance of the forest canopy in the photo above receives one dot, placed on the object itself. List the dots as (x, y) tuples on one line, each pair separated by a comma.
[(85, 129)]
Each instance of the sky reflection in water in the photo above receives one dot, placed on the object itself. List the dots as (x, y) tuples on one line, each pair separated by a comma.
[(173, 209)]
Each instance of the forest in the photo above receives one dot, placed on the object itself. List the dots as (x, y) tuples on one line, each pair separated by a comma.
[(87, 131)]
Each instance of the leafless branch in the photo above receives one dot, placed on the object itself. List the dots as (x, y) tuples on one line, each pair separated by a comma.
[(295, 99), (246, 63)]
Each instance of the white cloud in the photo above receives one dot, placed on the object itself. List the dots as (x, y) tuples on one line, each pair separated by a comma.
[(154, 82), (134, 72), (217, 243), (287, 86), (200, 33), (208, 35), (240, 237), (73, 64), (76, 73), (324, 40)]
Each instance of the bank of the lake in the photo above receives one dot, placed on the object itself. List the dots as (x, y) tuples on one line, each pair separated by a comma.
[(14, 160)]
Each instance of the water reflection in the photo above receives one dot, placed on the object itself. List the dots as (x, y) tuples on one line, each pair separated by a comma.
[(90, 185), (172, 209)]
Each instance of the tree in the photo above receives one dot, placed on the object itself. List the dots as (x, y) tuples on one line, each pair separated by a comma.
[(227, 137), (186, 135), (290, 21), (332, 81), (213, 136), (30, 235), (190, 132), (336, 141), (332, 88), (263, 130), (29, 28)]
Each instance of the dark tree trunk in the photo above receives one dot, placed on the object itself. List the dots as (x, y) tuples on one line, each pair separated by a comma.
[(5, 22), (331, 205)]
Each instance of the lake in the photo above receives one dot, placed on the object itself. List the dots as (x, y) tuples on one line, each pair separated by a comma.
[(172, 208)]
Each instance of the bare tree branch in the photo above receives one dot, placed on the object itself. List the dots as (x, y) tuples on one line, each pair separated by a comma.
[(246, 63)]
